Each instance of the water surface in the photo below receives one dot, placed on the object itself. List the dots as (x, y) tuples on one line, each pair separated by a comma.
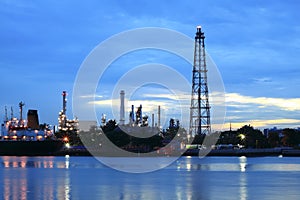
[(187, 178)]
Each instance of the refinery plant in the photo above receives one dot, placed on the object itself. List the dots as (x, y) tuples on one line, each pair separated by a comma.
[(65, 124)]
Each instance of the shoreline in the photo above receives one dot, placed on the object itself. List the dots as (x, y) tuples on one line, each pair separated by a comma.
[(195, 152), (285, 152)]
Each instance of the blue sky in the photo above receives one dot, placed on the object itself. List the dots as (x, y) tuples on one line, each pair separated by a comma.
[(255, 45)]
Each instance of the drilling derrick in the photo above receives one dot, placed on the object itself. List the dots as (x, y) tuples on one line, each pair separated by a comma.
[(200, 109)]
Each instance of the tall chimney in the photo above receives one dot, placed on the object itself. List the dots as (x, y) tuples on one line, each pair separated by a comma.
[(158, 117), (33, 119), (122, 108), (152, 119), (64, 94)]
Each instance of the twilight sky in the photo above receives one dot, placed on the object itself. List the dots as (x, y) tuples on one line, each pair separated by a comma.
[(255, 45)]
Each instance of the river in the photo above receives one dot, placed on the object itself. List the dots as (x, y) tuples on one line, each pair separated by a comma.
[(186, 178)]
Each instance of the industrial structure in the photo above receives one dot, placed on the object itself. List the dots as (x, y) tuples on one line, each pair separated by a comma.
[(21, 104), (136, 118), (65, 124), (122, 107), (33, 119), (158, 117), (200, 109)]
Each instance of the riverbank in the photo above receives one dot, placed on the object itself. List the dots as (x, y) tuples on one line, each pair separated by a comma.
[(287, 152), (245, 152)]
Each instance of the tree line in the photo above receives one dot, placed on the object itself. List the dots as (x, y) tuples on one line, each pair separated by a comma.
[(247, 136)]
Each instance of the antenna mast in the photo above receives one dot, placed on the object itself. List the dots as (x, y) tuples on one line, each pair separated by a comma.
[(21, 104)]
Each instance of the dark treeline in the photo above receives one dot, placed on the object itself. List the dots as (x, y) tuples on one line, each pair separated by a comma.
[(254, 138), (247, 136)]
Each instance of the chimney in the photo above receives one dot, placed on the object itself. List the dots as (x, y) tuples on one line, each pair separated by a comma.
[(33, 119), (64, 94), (152, 119), (158, 117), (122, 107)]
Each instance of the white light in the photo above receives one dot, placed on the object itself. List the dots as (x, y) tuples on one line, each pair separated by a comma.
[(199, 27)]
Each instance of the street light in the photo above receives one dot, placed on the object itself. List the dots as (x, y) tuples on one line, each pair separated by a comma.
[(242, 136)]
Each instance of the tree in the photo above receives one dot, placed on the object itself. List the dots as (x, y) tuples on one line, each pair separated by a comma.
[(291, 137), (252, 138), (71, 135), (229, 137), (109, 126), (273, 139)]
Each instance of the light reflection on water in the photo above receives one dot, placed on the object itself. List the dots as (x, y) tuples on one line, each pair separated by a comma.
[(241, 164), (28, 178), (188, 178)]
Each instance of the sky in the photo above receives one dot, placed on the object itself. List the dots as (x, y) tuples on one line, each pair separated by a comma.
[(254, 44)]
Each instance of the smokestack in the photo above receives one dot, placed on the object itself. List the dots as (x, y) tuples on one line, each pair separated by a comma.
[(158, 117), (64, 94), (33, 119), (122, 107), (152, 119)]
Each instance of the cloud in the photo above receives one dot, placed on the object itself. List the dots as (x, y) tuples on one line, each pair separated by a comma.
[(287, 104), (148, 106), (263, 80), (91, 96), (241, 110), (284, 122)]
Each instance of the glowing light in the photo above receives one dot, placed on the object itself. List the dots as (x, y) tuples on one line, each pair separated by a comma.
[(66, 139), (39, 137), (242, 136), (67, 145)]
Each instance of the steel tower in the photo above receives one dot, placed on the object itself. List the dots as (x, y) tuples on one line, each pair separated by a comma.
[(200, 109)]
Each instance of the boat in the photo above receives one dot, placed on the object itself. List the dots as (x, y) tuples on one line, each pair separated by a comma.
[(21, 137)]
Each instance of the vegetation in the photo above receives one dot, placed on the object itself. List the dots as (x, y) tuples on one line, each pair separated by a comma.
[(254, 138), (72, 137), (291, 137), (118, 136), (246, 136)]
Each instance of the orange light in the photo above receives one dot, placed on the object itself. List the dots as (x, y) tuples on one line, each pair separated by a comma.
[(39, 137), (66, 139)]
